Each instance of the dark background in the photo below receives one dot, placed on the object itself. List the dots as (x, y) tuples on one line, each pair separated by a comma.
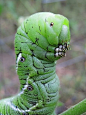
[(71, 69)]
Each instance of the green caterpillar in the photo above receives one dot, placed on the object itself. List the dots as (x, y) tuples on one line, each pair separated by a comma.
[(42, 39)]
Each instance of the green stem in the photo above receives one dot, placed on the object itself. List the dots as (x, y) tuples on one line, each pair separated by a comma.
[(77, 109)]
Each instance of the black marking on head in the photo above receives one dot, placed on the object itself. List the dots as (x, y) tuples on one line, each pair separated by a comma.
[(36, 42), (32, 52), (44, 69), (32, 43), (51, 24), (26, 33), (47, 48), (37, 72), (39, 28), (30, 88), (22, 59)]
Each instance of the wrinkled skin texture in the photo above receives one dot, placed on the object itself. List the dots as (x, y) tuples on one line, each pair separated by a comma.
[(40, 41)]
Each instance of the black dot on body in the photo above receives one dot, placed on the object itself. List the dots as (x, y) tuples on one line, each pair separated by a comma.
[(30, 88), (22, 59), (51, 24)]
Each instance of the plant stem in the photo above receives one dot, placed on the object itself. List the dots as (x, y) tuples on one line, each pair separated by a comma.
[(77, 109)]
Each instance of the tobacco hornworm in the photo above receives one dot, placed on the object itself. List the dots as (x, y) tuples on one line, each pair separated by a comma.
[(42, 39)]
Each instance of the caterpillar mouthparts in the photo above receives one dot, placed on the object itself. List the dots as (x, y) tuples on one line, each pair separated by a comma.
[(61, 50)]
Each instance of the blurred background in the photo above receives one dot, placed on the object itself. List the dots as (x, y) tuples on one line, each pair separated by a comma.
[(70, 69)]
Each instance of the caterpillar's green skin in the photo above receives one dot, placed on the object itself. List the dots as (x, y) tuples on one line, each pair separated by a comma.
[(37, 47)]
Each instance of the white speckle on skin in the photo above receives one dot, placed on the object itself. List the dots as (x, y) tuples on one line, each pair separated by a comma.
[(19, 56), (25, 87), (57, 54)]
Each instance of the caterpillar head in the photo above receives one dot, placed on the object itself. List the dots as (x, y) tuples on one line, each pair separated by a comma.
[(42, 34)]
